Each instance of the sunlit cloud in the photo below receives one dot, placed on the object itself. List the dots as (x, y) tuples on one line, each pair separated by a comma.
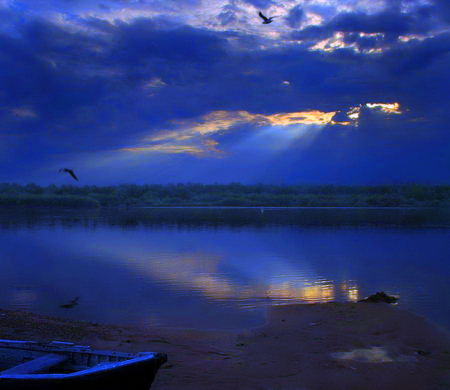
[(275, 132), (338, 42), (193, 136), (387, 108), (218, 121), (126, 15), (413, 37), (151, 87), (353, 116), (23, 112), (314, 117), (376, 35), (208, 147), (377, 50), (176, 149), (312, 19), (354, 113), (333, 43), (155, 82), (238, 17)]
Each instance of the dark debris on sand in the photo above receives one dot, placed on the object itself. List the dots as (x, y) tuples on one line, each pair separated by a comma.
[(380, 297)]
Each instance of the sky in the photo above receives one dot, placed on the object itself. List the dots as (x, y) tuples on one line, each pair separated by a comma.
[(176, 91)]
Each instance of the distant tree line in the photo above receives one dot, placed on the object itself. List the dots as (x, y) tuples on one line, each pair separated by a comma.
[(233, 194)]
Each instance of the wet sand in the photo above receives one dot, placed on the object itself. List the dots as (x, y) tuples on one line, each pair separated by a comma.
[(335, 346)]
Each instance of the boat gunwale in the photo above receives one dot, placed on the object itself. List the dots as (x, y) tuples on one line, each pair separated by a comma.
[(99, 368), (63, 348)]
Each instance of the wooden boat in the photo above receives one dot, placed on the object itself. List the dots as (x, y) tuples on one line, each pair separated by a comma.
[(58, 365)]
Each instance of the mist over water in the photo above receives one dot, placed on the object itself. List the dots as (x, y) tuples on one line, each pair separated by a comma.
[(219, 267)]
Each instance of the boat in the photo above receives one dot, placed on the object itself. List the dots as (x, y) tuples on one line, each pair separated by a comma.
[(56, 365)]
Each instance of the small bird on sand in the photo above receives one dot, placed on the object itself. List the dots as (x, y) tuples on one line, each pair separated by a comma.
[(266, 20), (69, 171), (71, 304)]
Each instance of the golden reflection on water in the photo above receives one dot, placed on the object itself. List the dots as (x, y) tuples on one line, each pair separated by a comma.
[(317, 291), (350, 289), (203, 273), (214, 287)]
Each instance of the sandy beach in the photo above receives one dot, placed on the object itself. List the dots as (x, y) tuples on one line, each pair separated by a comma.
[(339, 346)]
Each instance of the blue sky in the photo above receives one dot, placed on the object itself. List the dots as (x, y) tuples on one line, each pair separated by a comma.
[(168, 91)]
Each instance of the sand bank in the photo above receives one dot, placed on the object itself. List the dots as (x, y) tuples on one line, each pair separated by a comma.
[(362, 346)]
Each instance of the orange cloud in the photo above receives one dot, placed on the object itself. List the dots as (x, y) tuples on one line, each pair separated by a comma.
[(387, 108), (193, 136)]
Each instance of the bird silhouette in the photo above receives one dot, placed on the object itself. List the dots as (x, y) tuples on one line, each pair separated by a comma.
[(265, 19), (71, 304), (69, 171)]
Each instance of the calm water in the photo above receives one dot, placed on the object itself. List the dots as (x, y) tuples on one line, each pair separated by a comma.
[(219, 268)]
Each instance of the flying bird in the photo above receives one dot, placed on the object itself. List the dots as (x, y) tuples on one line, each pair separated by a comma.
[(266, 20), (69, 171)]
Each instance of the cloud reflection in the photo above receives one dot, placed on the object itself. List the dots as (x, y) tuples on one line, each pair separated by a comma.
[(201, 272), (24, 297), (311, 292), (350, 290), (244, 276)]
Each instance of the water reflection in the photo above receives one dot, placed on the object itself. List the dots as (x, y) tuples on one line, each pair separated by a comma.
[(134, 271), (23, 296), (251, 273), (350, 289), (230, 217)]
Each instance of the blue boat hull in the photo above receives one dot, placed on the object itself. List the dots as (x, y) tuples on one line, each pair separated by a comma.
[(133, 374)]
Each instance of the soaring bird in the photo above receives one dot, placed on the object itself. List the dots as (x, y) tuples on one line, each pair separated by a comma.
[(69, 171), (266, 20)]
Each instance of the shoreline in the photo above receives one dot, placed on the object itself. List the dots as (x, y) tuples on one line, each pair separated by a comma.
[(325, 346)]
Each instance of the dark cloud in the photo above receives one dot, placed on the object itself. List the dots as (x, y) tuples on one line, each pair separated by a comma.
[(227, 17), (391, 23), (385, 22), (443, 10), (84, 89), (364, 42), (105, 86), (312, 33), (295, 16), (142, 40), (56, 71), (39, 69), (388, 22), (418, 55), (229, 13)]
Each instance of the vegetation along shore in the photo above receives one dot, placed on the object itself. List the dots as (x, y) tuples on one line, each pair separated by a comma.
[(231, 195)]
